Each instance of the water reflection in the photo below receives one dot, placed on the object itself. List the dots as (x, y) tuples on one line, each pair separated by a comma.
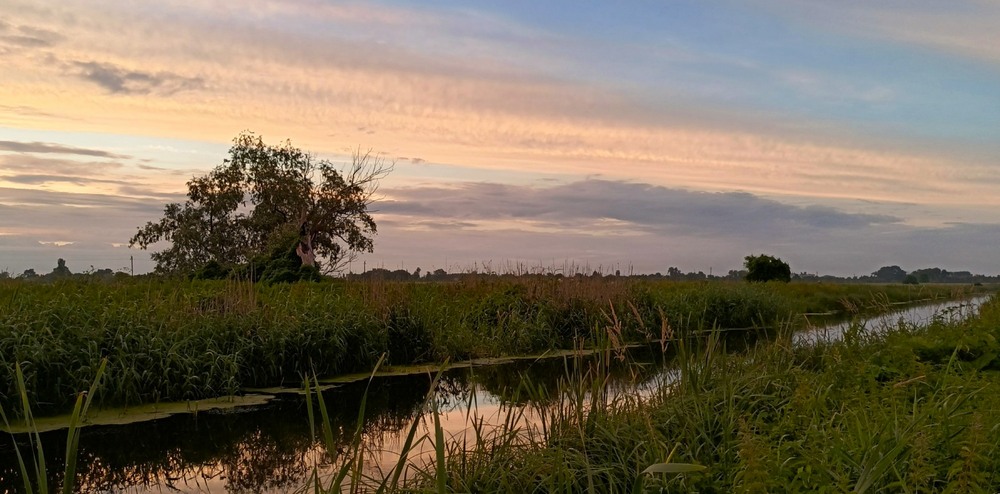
[(918, 315), (271, 448)]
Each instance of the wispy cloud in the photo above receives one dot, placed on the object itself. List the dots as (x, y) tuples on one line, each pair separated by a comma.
[(672, 120), (835, 89), (447, 107), (119, 80), (53, 148), (606, 223), (41, 225), (37, 179), (28, 36), (966, 28), (54, 166), (32, 166), (27, 197), (587, 205)]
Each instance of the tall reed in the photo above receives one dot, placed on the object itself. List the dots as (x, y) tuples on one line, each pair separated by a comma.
[(175, 340), (38, 469)]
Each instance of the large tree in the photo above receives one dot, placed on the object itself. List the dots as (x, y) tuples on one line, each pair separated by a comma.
[(766, 268), (890, 274), (261, 194)]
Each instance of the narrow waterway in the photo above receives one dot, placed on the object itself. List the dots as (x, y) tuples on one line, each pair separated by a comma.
[(270, 447), (919, 315)]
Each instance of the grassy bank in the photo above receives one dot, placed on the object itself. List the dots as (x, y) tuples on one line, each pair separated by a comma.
[(910, 410), (169, 341)]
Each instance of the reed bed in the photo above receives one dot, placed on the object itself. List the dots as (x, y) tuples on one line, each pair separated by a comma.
[(172, 340), (910, 409), (904, 409)]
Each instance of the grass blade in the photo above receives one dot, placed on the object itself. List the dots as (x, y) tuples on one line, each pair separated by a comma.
[(408, 444), (25, 478), (674, 468), (442, 473), (356, 439), (309, 408), (39, 460), (83, 401)]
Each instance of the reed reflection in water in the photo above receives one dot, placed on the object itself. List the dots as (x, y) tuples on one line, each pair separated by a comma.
[(271, 448)]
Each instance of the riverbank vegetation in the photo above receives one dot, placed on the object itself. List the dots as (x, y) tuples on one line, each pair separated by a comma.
[(892, 408), (901, 409), (169, 340)]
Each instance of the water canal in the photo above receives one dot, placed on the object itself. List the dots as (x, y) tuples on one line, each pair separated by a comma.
[(269, 447)]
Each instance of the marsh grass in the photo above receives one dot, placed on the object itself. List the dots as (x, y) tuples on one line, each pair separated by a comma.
[(174, 341), (876, 412), (903, 409), (35, 478), (550, 440)]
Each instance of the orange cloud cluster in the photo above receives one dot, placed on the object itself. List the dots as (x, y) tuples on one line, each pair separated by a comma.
[(108, 67)]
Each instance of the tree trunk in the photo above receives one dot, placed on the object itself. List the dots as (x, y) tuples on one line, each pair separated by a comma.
[(306, 252), (305, 248)]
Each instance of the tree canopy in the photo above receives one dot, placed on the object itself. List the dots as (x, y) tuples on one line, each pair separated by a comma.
[(60, 271), (890, 274), (263, 194), (766, 268)]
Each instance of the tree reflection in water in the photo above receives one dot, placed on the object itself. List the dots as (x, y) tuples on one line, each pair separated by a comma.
[(269, 448)]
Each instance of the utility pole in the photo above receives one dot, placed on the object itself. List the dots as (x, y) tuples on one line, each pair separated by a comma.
[(131, 263)]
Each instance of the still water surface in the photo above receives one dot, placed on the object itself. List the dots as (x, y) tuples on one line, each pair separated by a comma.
[(270, 448)]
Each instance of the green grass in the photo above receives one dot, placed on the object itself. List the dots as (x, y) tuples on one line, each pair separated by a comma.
[(171, 341), (908, 410), (863, 298), (31, 464)]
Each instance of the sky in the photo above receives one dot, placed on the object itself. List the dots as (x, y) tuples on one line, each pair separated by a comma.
[(634, 136)]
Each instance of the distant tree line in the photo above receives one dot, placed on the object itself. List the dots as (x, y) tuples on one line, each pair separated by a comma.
[(282, 264), (62, 272), (888, 274), (896, 274)]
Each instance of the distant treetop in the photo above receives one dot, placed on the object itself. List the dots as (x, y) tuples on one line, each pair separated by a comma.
[(766, 268)]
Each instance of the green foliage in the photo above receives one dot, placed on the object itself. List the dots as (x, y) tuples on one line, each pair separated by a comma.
[(168, 340), (212, 270), (725, 305), (278, 263), (824, 418), (205, 338), (890, 274), (866, 299), (408, 339), (262, 191), (766, 268), (907, 409), (60, 271), (77, 418)]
